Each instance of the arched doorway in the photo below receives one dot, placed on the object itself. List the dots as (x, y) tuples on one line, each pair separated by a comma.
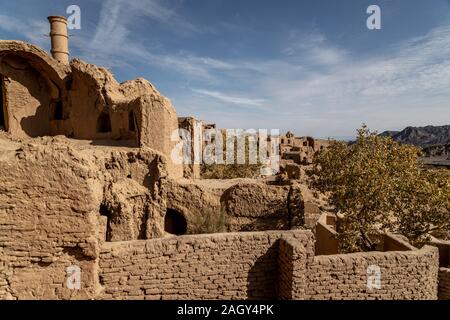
[(2, 107), (175, 222)]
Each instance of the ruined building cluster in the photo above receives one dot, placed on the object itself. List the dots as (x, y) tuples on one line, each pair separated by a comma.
[(87, 183)]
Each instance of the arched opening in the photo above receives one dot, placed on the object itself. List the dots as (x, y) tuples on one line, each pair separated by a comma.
[(175, 222), (106, 212), (131, 121), (103, 123), (58, 111), (2, 107)]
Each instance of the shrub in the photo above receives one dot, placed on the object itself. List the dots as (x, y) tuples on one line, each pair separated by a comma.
[(209, 221), (231, 171)]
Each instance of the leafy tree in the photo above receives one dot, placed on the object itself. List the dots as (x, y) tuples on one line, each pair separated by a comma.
[(377, 184)]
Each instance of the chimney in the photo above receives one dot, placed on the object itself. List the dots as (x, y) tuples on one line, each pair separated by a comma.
[(59, 38)]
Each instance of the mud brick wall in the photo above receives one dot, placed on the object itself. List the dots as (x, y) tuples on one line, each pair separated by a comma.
[(293, 258), (444, 284), (404, 275), (220, 266), (46, 223)]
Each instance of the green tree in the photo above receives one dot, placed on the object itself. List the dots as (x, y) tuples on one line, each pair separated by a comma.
[(377, 184)]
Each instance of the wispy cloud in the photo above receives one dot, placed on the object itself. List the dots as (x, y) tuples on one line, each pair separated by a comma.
[(313, 48), (230, 98), (113, 43), (306, 82), (35, 31), (407, 85)]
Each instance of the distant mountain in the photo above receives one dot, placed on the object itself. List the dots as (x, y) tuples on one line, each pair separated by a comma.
[(421, 136)]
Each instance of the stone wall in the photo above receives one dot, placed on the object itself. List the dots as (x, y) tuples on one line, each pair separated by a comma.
[(259, 265), (293, 259), (52, 193), (405, 275), (82, 101), (444, 251), (27, 99), (444, 270), (250, 205), (326, 235), (219, 266), (47, 222)]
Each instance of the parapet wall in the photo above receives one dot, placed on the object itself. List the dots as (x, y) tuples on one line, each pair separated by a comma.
[(326, 237), (259, 265), (220, 266), (404, 275), (444, 270)]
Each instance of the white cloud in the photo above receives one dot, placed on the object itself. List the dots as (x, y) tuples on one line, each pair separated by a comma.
[(313, 48), (230, 98), (35, 31), (315, 86), (407, 85)]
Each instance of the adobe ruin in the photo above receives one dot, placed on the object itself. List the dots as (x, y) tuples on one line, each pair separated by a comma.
[(87, 180)]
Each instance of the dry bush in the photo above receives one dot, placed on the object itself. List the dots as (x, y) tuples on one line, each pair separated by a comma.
[(232, 171), (209, 221)]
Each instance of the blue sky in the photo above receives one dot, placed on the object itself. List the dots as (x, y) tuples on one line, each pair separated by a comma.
[(308, 66)]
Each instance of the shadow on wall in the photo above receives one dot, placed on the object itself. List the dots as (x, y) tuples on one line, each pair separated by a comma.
[(34, 126), (113, 133), (38, 124), (28, 95), (262, 277)]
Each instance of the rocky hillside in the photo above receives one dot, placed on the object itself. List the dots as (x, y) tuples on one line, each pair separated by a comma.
[(422, 136)]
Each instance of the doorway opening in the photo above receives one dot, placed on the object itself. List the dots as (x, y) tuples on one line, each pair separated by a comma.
[(103, 123), (131, 121), (175, 222), (106, 212)]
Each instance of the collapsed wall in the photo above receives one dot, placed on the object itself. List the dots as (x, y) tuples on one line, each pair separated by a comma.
[(132, 111), (32, 86), (61, 198), (250, 205), (47, 221), (43, 97)]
